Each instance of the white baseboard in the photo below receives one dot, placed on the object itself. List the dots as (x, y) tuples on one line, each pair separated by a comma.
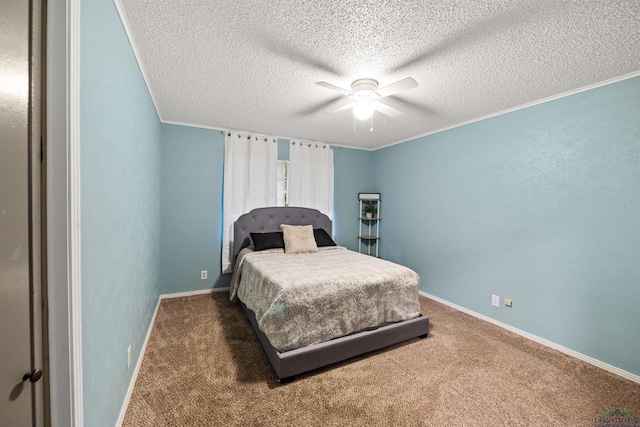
[(192, 293), (134, 377), (546, 343)]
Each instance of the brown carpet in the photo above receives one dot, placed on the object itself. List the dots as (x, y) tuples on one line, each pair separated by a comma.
[(204, 367)]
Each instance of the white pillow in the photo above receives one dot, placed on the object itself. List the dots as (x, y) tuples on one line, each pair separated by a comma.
[(298, 239)]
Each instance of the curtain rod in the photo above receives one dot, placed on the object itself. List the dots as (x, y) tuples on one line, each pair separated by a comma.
[(275, 138)]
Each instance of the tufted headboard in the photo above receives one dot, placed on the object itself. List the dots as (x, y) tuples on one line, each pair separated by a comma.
[(264, 220)]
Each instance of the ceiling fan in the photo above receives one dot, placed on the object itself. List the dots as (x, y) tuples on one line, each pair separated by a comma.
[(366, 96)]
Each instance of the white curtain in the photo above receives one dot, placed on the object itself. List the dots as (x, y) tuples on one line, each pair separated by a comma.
[(311, 176), (250, 179)]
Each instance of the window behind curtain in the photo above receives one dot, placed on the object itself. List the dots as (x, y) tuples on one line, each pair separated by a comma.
[(283, 183)]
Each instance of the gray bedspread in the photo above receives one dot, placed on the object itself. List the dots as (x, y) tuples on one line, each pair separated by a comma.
[(304, 299)]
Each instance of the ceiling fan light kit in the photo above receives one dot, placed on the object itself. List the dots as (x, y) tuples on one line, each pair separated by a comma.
[(363, 110), (366, 94)]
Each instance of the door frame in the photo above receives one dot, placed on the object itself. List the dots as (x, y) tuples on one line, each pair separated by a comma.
[(63, 210)]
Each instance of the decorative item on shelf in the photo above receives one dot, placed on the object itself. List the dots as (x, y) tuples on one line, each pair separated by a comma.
[(370, 210)]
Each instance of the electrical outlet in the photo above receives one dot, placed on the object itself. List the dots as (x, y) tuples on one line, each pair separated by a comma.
[(129, 357), (495, 300), (203, 274), (507, 302)]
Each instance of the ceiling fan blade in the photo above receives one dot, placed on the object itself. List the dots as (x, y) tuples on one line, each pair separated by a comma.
[(344, 108), (335, 88), (396, 87), (386, 110)]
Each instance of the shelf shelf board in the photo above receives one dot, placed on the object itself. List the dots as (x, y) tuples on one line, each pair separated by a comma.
[(369, 219), (369, 237)]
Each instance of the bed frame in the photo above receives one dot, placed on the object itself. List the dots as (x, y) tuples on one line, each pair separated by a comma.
[(294, 362)]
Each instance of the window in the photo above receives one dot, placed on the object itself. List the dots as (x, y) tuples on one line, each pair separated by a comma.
[(283, 183)]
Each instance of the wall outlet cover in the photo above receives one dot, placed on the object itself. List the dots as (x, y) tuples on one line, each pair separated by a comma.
[(203, 274), (129, 357), (495, 300)]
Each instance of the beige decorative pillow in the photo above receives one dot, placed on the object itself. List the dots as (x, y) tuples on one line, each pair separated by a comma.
[(298, 239)]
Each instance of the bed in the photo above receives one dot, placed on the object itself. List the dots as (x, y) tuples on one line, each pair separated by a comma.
[(351, 319)]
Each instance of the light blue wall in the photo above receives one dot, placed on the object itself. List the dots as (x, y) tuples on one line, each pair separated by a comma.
[(192, 171), (542, 206), (352, 175), (120, 137)]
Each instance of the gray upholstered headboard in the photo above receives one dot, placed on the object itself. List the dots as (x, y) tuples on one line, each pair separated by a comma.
[(265, 220)]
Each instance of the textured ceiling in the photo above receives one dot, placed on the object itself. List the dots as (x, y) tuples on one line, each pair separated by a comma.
[(253, 65)]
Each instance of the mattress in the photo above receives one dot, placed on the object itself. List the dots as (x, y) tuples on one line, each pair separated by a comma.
[(304, 299)]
